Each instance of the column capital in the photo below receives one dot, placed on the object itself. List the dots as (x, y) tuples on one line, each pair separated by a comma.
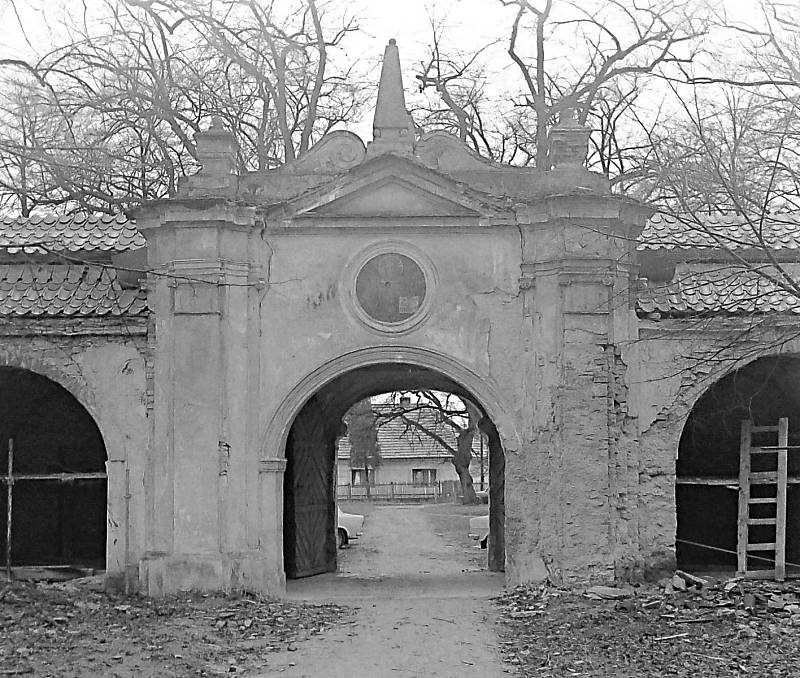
[(271, 465)]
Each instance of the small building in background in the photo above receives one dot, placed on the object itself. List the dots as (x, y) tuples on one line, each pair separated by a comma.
[(410, 456)]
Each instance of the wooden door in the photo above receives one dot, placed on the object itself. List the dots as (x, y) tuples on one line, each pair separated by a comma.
[(497, 502), (309, 533)]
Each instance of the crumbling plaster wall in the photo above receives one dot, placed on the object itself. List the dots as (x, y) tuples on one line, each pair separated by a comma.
[(676, 361), (572, 516), (474, 318), (102, 364)]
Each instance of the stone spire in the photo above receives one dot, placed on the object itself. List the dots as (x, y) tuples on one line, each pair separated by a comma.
[(392, 128)]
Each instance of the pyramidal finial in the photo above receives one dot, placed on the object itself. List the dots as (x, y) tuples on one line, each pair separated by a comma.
[(392, 128)]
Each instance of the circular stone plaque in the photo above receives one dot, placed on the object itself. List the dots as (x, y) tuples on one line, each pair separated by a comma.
[(390, 287)]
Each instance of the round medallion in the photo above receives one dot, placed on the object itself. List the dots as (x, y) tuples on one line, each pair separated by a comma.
[(390, 288)]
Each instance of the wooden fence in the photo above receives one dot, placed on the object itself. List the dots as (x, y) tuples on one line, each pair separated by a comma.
[(444, 490)]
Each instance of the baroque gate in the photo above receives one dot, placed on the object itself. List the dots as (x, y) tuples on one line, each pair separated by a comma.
[(406, 262)]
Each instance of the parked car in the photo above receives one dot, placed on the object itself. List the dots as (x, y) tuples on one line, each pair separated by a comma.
[(479, 529), (349, 526)]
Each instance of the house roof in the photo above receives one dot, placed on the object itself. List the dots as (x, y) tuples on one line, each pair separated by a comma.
[(719, 289), (72, 233), (66, 290), (733, 232), (397, 440)]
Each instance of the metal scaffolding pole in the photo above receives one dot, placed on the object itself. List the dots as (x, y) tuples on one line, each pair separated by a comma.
[(9, 504)]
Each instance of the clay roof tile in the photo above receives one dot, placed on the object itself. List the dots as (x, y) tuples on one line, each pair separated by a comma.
[(71, 233), (731, 231), (702, 289), (66, 290)]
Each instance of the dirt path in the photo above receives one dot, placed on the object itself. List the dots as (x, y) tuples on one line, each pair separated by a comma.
[(421, 602)]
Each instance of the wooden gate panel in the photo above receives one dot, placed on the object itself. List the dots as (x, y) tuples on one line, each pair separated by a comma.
[(497, 503), (309, 529)]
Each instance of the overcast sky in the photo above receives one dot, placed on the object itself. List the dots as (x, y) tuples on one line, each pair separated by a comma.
[(469, 24)]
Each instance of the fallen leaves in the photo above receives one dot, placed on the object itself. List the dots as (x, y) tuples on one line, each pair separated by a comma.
[(683, 626), (57, 630)]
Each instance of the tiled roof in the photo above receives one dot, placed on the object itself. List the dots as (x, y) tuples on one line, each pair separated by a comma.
[(779, 231), (117, 233), (66, 290), (398, 441), (696, 290), (73, 233)]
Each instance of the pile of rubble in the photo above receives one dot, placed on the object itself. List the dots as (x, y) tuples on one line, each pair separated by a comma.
[(682, 626), (58, 630)]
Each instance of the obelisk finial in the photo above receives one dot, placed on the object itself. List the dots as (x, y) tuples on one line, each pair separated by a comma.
[(392, 128)]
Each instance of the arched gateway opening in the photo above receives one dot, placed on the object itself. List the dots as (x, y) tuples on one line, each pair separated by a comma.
[(708, 466), (52, 465), (309, 531)]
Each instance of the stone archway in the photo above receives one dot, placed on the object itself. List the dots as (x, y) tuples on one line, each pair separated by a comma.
[(58, 467), (762, 390), (496, 407), (309, 484)]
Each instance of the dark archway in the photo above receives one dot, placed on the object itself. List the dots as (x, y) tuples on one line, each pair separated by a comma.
[(708, 460), (309, 535), (59, 475)]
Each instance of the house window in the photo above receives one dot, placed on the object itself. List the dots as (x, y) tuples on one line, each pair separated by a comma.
[(360, 476), (423, 476)]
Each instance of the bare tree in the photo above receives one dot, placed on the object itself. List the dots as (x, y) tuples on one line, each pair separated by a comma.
[(362, 432), (620, 40), (424, 415), (726, 165), (118, 104), (621, 45), (286, 59), (461, 105)]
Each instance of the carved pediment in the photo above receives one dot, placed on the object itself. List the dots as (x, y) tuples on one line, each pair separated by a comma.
[(388, 186), (391, 197)]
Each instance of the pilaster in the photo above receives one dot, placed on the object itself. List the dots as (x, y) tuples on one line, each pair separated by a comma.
[(577, 274), (204, 287)]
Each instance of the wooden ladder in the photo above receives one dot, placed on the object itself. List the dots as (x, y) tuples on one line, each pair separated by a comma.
[(777, 478)]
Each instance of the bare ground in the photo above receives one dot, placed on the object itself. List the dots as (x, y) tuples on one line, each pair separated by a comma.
[(422, 599), (75, 631)]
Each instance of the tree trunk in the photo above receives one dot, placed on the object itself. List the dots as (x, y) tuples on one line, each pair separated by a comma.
[(463, 457), (468, 495)]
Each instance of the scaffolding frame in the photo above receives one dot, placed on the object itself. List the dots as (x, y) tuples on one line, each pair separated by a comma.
[(10, 479)]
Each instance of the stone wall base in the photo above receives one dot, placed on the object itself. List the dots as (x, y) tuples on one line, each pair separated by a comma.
[(164, 574)]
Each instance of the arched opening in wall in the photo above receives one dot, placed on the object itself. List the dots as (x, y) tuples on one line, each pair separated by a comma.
[(52, 452), (707, 496), (411, 494)]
